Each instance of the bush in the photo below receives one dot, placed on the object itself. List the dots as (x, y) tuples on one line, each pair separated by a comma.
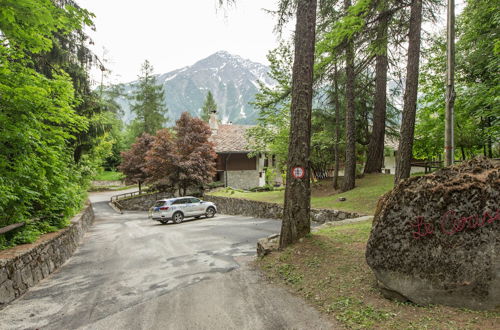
[(216, 184), (266, 187), (270, 175)]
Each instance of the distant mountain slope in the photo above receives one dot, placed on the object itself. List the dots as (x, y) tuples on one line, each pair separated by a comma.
[(231, 79)]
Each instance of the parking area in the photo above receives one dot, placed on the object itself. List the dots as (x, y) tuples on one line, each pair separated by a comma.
[(134, 273)]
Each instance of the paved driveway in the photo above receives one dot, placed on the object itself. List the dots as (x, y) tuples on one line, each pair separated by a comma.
[(132, 273)]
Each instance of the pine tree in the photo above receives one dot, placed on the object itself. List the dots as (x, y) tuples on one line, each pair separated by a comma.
[(149, 105), (296, 214), (208, 107), (375, 157), (350, 115), (403, 162)]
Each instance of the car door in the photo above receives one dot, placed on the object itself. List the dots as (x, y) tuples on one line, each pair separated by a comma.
[(197, 207), (186, 207)]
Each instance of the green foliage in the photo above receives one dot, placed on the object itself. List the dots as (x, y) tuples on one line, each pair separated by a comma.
[(266, 187), (270, 175), (149, 105), (477, 118), (208, 107), (271, 133), (356, 314), (108, 176), (288, 273), (44, 117), (215, 184)]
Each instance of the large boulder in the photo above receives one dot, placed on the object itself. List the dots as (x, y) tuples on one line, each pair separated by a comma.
[(436, 238)]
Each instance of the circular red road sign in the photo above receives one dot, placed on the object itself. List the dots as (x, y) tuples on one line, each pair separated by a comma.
[(298, 172)]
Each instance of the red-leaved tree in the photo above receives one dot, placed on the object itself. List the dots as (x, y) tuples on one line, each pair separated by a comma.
[(196, 154), (184, 160), (133, 160), (161, 160)]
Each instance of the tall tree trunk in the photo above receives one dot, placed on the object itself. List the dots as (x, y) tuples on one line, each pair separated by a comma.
[(375, 157), (490, 140), (140, 187), (337, 128), (403, 164), (350, 116), (449, 132), (296, 214)]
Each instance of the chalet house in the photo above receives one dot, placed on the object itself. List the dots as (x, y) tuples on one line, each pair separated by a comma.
[(234, 167)]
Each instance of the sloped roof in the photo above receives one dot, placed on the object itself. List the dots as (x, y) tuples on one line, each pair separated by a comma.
[(231, 138)]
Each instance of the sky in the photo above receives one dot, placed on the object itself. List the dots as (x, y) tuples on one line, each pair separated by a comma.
[(173, 34)]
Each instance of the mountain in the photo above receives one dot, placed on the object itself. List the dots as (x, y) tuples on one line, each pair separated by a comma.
[(231, 79)]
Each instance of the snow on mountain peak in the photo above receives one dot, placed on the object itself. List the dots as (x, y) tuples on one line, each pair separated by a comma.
[(231, 79)]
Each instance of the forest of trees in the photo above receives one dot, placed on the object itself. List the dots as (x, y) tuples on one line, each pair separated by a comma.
[(378, 74), (54, 131)]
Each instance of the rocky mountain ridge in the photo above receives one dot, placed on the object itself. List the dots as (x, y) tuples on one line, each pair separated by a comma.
[(232, 80)]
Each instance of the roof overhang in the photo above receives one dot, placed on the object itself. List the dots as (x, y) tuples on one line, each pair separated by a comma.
[(232, 152)]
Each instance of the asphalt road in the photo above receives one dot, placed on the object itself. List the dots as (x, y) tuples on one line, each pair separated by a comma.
[(133, 273)]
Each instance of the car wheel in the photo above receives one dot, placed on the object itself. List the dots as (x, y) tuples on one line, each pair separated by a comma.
[(178, 217), (210, 212)]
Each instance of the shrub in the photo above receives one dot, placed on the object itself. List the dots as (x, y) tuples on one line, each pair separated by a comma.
[(216, 184), (266, 187)]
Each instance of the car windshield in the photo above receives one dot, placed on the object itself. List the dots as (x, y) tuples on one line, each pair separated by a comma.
[(160, 203)]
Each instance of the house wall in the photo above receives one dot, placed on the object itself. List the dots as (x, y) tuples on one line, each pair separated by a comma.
[(390, 165), (242, 172), (242, 179), (236, 162)]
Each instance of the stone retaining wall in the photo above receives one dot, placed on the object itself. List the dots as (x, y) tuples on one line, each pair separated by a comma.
[(22, 266), (238, 206), (140, 203)]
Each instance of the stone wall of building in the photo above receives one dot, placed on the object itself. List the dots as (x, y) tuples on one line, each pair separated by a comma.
[(243, 179), (22, 266), (238, 206)]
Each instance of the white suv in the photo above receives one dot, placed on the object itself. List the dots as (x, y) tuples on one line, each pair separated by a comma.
[(176, 209)]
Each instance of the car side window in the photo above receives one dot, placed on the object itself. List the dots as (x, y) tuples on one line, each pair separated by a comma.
[(178, 202), (195, 200)]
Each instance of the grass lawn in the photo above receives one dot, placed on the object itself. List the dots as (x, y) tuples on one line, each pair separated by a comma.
[(109, 176), (329, 270), (362, 199)]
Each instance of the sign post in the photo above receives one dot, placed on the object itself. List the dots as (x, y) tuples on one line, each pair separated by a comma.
[(298, 172)]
